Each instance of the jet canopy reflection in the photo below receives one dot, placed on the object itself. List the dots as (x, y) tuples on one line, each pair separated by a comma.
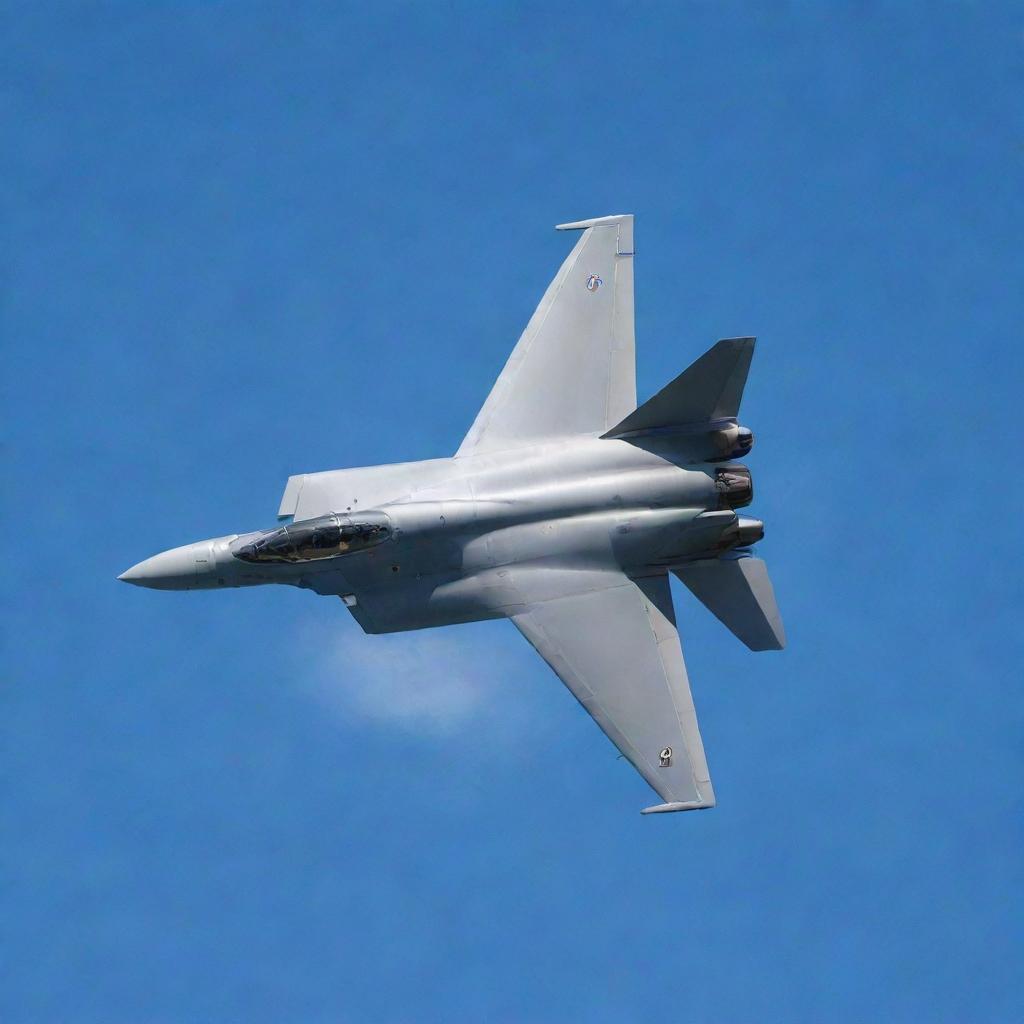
[(324, 537)]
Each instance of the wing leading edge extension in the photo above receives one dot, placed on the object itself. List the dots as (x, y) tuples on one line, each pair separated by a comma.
[(573, 370), (613, 642)]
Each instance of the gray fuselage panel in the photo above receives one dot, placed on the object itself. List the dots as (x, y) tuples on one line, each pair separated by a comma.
[(588, 505)]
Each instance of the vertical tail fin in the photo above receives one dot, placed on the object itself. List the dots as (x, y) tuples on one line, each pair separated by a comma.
[(709, 389)]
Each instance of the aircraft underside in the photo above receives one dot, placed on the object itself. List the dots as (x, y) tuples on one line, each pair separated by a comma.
[(564, 510)]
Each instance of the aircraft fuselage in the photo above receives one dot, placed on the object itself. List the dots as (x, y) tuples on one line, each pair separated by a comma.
[(564, 510), (443, 552)]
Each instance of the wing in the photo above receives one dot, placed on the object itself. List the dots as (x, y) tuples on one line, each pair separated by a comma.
[(573, 370), (613, 642)]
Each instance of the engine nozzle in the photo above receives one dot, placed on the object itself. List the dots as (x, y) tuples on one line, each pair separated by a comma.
[(734, 486), (741, 534), (731, 442), (749, 531)]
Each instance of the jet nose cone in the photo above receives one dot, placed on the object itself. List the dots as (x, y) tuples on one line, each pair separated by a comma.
[(170, 570)]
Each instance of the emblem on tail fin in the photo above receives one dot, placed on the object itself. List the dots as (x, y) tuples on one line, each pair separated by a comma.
[(593, 283)]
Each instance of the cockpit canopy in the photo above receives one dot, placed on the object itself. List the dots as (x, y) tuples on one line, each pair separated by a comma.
[(324, 537)]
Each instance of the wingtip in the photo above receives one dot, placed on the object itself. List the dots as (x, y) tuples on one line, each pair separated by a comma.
[(580, 225), (689, 805)]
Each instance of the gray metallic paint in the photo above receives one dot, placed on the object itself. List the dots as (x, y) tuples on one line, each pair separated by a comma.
[(563, 511)]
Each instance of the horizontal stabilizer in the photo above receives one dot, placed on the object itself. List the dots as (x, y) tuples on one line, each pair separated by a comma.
[(738, 592), (709, 389)]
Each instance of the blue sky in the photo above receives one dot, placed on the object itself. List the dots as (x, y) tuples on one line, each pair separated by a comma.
[(243, 241)]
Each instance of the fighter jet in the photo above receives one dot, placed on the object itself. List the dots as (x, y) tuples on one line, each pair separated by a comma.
[(564, 510)]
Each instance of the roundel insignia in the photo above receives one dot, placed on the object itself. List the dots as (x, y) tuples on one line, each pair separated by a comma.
[(593, 283)]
